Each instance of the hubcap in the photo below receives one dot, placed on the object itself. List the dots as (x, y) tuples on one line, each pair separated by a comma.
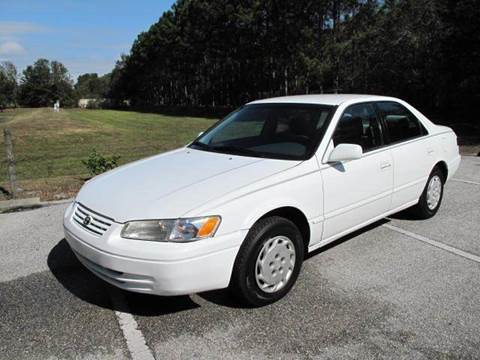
[(275, 264), (434, 192)]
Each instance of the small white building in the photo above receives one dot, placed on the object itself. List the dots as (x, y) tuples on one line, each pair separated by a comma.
[(84, 103)]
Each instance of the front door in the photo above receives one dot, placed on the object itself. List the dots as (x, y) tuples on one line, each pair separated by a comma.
[(357, 191)]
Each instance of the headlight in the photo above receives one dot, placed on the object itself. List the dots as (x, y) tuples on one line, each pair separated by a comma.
[(179, 230)]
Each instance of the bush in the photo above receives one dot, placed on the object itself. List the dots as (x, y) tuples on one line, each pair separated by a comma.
[(97, 163)]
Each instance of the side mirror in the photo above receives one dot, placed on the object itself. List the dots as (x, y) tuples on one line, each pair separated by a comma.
[(343, 152)]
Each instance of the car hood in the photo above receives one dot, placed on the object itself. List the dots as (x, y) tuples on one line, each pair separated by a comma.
[(171, 184)]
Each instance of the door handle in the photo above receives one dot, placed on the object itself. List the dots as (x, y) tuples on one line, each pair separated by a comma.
[(385, 165)]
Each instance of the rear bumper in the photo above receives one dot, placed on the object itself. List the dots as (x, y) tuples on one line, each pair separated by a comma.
[(156, 274)]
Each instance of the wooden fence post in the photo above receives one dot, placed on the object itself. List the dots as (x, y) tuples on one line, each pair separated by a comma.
[(12, 174)]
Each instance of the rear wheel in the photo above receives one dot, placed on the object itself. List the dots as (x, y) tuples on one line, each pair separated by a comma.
[(268, 262), (432, 196)]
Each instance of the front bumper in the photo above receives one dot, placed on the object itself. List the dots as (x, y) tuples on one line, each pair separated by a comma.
[(155, 268)]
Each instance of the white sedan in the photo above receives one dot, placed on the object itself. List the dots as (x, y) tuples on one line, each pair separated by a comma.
[(241, 205)]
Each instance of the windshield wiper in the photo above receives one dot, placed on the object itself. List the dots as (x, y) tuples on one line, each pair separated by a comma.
[(234, 150)]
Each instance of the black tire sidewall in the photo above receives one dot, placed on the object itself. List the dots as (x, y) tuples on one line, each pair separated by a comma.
[(425, 211), (272, 227)]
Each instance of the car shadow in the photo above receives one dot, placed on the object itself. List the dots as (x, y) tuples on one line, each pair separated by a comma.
[(80, 282), (346, 238), (223, 297), (404, 215)]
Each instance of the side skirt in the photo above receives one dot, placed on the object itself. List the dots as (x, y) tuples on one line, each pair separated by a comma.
[(357, 227)]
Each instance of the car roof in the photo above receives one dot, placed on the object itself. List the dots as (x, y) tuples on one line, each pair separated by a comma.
[(322, 99)]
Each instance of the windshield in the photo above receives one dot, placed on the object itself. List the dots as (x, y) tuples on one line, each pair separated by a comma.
[(279, 131)]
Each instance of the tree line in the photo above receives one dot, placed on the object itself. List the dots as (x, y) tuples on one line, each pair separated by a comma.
[(224, 53), (221, 54), (45, 82)]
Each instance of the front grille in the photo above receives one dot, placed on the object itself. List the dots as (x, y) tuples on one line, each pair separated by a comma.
[(91, 220)]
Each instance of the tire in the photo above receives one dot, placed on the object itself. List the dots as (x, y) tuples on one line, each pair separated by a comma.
[(429, 203), (275, 237)]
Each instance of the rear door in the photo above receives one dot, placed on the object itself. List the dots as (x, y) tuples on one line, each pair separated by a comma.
[(357, 191), (412, 152)]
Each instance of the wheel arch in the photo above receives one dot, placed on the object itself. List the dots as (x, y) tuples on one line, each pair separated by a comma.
[(442, 165), (296, 216)]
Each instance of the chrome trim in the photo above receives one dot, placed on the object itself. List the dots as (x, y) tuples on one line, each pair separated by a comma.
[(96, 223)]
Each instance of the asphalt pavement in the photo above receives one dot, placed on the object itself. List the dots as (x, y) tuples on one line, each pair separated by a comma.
[(400, 288)]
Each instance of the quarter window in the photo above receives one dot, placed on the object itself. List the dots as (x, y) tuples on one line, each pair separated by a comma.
[(402, 125), (359, 125)]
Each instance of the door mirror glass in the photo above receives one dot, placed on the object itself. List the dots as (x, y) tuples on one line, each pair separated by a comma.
[(344, 152)]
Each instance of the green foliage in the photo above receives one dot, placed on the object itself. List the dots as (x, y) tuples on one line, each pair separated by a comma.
[(97, 163), (91, 86), (45, 82), (118, 91), (217, 53), (8, 84)]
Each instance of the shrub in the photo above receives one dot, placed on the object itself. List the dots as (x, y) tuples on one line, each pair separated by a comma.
[(97, 163)]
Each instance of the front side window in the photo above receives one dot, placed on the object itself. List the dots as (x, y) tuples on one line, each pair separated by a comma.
[(359, 125), (282, 131), (401, 124)]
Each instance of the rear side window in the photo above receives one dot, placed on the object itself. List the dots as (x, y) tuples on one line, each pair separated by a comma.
[(359, 125), (401, 124)]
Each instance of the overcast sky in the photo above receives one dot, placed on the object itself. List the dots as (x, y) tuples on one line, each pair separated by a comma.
[(86, 36)]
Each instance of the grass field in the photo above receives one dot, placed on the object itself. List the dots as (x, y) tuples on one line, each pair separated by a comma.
[(49, 147)]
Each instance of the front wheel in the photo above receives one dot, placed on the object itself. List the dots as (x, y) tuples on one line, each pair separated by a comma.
[(268, 262), (432, 196)]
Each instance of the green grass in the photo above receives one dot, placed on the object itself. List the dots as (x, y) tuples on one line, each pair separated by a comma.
[(50, 145)]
